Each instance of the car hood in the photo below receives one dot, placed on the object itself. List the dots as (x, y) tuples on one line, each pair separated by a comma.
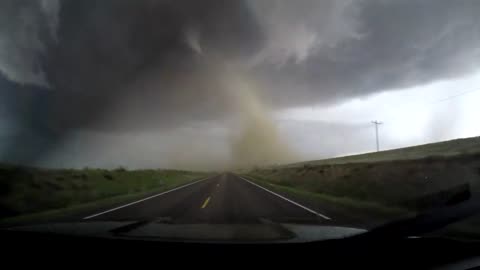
[(154, 231)]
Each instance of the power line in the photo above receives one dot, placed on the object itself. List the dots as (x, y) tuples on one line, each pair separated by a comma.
[(454, 96), (425, 106)]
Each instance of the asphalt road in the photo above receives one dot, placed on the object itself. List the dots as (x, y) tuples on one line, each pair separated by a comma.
[(222, 199)]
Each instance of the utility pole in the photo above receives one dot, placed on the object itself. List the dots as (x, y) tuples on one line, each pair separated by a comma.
[(376, 123)]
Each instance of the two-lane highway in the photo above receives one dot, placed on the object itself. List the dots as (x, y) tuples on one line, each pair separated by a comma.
[(222, 199)]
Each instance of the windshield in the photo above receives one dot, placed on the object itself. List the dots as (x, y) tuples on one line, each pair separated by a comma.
[(239, 120)]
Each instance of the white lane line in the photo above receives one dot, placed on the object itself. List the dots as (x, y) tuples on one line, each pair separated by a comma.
[(148, 198), (288, 200)]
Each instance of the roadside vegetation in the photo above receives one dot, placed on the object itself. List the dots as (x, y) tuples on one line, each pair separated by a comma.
[(27, 191), (414, 179)]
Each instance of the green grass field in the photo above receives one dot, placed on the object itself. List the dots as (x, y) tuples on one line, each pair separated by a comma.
[(394, 177), (392, 183), (414, 178), (26, 191)]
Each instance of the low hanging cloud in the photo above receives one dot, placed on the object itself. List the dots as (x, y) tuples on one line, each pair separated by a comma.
[(26, 30), (121, 66), (298, 30), (374, 46), (302, 53)]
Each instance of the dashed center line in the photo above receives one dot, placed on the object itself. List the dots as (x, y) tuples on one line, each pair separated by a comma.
[(206, 202)]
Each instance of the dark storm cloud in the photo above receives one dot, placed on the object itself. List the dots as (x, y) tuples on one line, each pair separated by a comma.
[(25, 131), (94, 55), (139, 50), (122, 65), (106, 47), (394, 44), (112, 42), (156, 53), (26, 28)]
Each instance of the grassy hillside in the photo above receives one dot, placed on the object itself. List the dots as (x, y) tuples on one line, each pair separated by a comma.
[(31, 190), (467, 146), (414, 178), (395, 183)]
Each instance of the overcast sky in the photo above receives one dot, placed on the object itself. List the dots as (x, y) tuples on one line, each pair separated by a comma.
[(206, 84)]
